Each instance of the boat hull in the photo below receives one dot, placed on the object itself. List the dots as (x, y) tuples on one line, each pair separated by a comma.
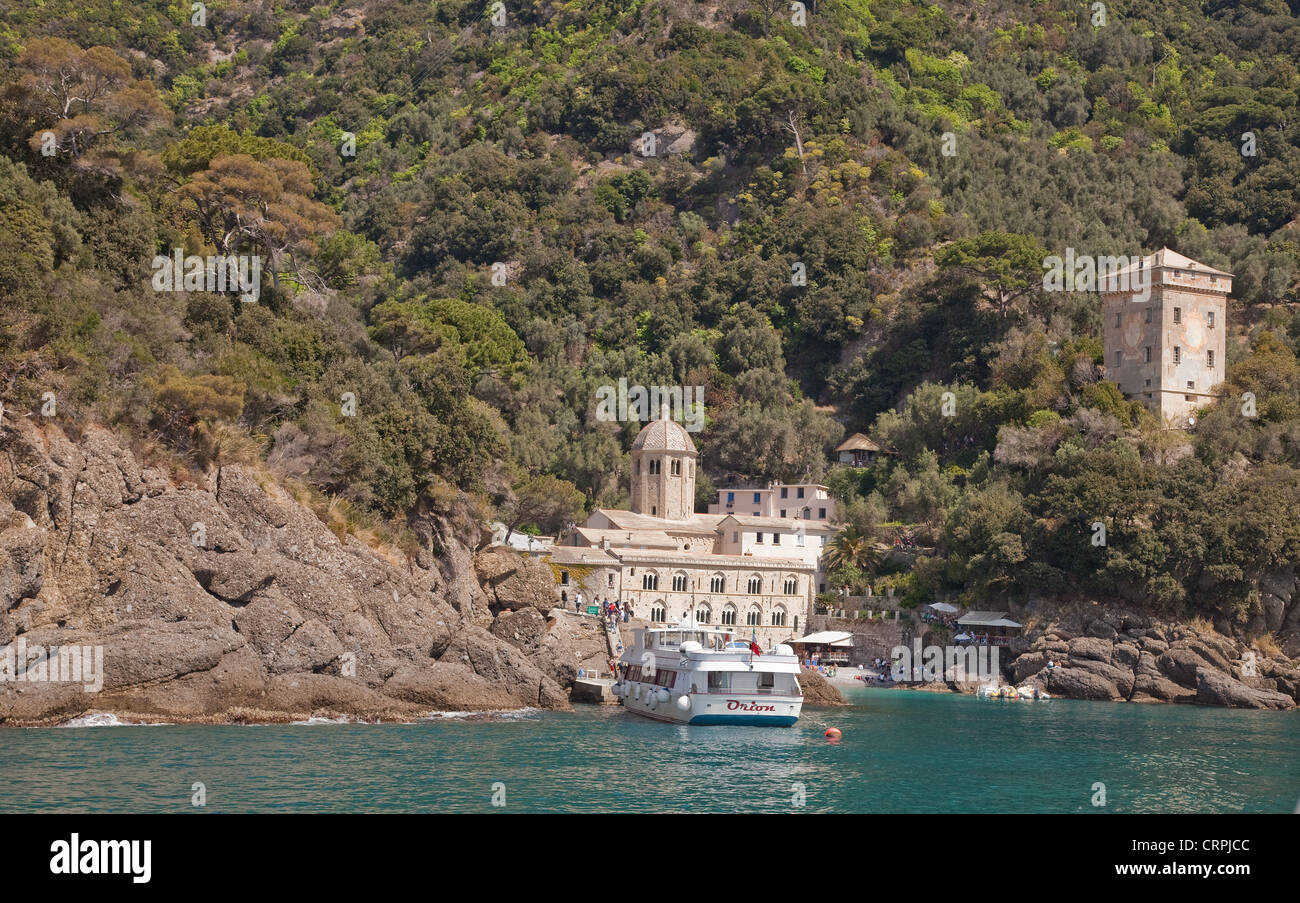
[(715, 709)]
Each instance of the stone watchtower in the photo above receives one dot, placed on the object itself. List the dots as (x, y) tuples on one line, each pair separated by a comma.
[(1165, 344), (663, 470)]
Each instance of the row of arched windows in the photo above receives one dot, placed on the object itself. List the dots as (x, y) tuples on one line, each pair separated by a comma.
[(718, 583), (728, 615)]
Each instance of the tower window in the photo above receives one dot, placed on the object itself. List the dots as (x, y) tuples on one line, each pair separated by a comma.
[(1117, 321), (1209, 319), (1148, 315), (1209, 359), (1148, 354), (1178, 355), (1191, 384), (1178, 315), (1119, 357)]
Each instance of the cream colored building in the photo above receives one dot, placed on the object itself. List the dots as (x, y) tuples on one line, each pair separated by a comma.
[(759, 574), (805, 501), (1167, 350)]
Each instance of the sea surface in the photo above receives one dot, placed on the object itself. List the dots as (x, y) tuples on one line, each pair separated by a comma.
[(900, 751)]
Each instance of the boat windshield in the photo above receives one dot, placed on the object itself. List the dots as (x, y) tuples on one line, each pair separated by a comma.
[(674, 638)]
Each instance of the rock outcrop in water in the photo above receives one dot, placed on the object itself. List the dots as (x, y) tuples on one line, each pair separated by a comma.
[(1118, 655), (229, 601), (818, 691)]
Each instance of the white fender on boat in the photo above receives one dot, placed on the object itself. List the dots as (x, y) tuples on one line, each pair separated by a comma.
[(684, 703), (663, 695)]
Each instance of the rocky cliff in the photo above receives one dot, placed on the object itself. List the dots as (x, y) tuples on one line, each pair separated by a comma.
[(1096, 652), (229, 601)]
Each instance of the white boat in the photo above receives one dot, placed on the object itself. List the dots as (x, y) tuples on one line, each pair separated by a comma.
[(690, 674)]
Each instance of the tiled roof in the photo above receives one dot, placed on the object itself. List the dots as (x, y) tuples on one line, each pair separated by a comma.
[(664, 435)]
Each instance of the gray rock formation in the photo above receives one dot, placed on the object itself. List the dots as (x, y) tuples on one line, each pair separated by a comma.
[(1117, 655), (230, 601)]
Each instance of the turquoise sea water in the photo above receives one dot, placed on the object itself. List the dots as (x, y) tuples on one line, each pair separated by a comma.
[(901, 752)]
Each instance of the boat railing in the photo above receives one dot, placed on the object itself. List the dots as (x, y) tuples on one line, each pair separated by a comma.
[(749, 691)]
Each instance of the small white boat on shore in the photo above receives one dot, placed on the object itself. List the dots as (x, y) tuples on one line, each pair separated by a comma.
[(689, 674)]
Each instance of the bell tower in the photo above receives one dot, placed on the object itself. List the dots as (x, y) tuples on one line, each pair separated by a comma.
[(663, 470)]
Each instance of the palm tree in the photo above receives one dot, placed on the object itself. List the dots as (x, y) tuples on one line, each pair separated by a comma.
[(851, 549)]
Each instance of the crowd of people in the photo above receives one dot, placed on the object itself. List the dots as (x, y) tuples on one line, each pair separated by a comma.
[(611, 612)]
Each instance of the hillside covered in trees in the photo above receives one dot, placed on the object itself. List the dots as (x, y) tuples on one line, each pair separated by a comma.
[(844, 216)]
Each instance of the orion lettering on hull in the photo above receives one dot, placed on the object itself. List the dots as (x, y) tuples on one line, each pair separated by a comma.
[(734, 705)]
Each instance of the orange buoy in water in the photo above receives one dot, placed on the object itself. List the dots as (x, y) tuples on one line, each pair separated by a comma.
[(832, 733)]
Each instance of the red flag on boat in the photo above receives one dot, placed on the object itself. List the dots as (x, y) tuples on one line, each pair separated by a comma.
[(753, 647)]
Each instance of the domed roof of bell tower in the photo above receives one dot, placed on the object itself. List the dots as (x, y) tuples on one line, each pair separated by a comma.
[(664, 435)]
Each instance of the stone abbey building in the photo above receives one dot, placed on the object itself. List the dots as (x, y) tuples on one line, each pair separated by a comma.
[(1167, 349), (752, 570)]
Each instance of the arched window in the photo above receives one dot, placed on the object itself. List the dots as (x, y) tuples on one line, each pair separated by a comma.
[(679, 582), (729, 615), (717, 584), (703, 615), (755, 585), (650, 580), (778, 616), (658, 612), (791, 585), (753, 617)]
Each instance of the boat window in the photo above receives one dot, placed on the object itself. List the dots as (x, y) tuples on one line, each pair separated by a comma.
[(766, 680), (670, 638), (719, 680)]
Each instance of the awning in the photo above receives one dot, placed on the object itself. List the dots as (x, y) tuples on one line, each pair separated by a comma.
[(983, 619), (827, 638), (1005, 622), (944, 607)]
